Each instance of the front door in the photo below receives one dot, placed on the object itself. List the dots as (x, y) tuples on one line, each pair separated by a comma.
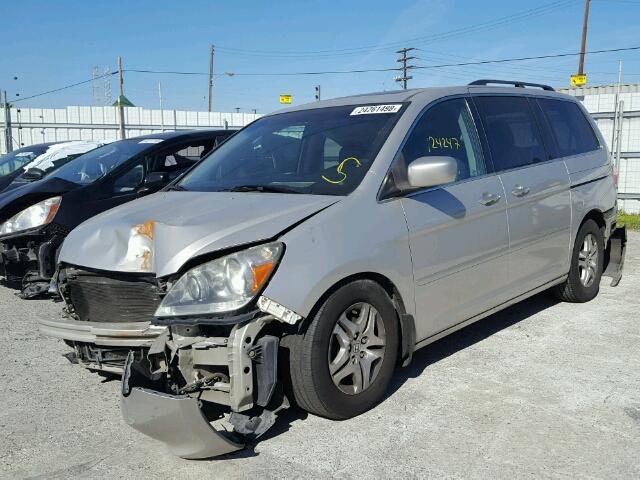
[(457, 232)]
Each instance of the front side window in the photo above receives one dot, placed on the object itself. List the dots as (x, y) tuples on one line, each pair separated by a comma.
[(129, 180), (447, 129), (570, 129), (512, 132), (323, 151)]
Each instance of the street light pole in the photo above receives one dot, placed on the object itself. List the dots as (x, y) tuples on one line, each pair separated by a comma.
[(120, 99)]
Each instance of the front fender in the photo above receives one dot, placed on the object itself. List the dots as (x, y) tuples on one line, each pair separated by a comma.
[(358, 237)]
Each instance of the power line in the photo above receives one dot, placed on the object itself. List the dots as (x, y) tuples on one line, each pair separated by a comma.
[(268, 74), (336, 72), (521, 59), (421, 67), (488, 25), (63, 88)]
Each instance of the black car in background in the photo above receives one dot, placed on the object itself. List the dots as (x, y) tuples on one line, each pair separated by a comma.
[(35, 218), (11, 164)]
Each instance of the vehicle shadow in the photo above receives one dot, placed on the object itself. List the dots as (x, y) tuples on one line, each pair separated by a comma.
[(469, 336)]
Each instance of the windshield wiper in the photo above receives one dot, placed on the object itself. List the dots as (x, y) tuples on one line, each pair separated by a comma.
[(260, 188)]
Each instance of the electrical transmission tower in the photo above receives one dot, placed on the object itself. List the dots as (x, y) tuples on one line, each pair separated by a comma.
[(95, 86), (404, 59), (107, 86)]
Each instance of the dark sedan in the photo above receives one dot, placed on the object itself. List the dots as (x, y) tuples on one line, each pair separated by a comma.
[(35, 219)]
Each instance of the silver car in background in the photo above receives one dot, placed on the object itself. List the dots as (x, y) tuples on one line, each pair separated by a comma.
[(320, 246)]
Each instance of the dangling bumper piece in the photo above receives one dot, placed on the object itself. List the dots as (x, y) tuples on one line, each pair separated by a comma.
[(175, 420), (205, 392)]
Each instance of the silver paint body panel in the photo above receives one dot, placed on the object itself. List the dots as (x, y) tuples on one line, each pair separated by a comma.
[(449, 257)]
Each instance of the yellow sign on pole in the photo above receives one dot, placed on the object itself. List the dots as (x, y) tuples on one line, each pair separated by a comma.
[(286, 98), (578, 80)]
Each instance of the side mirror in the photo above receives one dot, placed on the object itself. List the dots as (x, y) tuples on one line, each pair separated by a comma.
[(155, 180), (33, 174), (431, 171)]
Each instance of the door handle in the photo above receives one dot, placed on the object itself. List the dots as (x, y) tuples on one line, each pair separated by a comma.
[(489, 199), (520, 190)]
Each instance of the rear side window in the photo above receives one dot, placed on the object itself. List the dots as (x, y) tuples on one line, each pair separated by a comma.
[(570, 129), (512, 132)]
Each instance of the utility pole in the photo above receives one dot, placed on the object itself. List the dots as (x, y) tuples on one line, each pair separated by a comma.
[(7, 125), (616, 104), (405, 67), (211, 54), (161, 111), (318, 93), (120, 99), (583, 45)]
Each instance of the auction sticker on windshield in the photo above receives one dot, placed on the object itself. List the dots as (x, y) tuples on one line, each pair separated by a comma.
[(151, 140), (376, 109)]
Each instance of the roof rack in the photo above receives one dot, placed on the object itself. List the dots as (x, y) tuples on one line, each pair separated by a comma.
[(515, 84)]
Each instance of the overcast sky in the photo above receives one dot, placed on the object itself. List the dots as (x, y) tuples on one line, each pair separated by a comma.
[(51, 44)]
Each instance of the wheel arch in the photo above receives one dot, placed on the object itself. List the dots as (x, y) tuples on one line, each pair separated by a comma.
[(596, 215), (405, 321)]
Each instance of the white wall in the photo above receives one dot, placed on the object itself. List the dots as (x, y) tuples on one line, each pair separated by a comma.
[(39, 125)]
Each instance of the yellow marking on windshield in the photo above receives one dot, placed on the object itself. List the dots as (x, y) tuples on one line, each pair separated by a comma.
[(339, 170)]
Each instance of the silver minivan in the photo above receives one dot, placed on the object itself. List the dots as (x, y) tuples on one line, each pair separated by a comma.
[(320, 246)]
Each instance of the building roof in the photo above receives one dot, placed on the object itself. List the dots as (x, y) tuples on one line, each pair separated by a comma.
[(124, 101)]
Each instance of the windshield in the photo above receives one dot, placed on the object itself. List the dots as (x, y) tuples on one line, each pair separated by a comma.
[(11, 162), (97, 163), (324, 151)]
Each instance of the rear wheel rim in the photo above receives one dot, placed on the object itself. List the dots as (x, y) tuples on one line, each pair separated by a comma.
[(357, 348), (588, 260)]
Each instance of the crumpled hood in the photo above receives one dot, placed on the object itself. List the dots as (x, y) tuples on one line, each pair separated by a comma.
[(161, 232)]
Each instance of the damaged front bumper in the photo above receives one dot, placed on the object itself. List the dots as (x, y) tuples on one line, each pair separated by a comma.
[(27, 260), (205, 393), (102, 346), (173, 419)]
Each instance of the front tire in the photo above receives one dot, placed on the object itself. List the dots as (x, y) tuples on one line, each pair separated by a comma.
[(343, 360), (587, 260)]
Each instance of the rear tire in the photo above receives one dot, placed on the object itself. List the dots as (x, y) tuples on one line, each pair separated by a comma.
[(587, 260), (343, 360)]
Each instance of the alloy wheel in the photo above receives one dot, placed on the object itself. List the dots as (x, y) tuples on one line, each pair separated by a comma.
[(356, 348), (588, 260)]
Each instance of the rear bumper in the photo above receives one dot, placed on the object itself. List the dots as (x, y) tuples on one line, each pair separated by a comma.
[(615, 255)]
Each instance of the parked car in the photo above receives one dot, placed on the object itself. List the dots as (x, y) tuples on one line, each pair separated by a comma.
[(321, 245), (11, 164), (35, 219), (56, 155)]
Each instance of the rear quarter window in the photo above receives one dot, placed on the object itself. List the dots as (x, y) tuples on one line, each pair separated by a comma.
[(570, 129)]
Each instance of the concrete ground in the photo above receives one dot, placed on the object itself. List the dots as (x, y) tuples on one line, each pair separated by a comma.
[(543, 389)]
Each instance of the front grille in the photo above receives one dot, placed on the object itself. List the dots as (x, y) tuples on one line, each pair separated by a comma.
[(110, 297)]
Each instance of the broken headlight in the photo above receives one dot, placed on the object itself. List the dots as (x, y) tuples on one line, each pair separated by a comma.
[(35, 216), (222, 285)]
